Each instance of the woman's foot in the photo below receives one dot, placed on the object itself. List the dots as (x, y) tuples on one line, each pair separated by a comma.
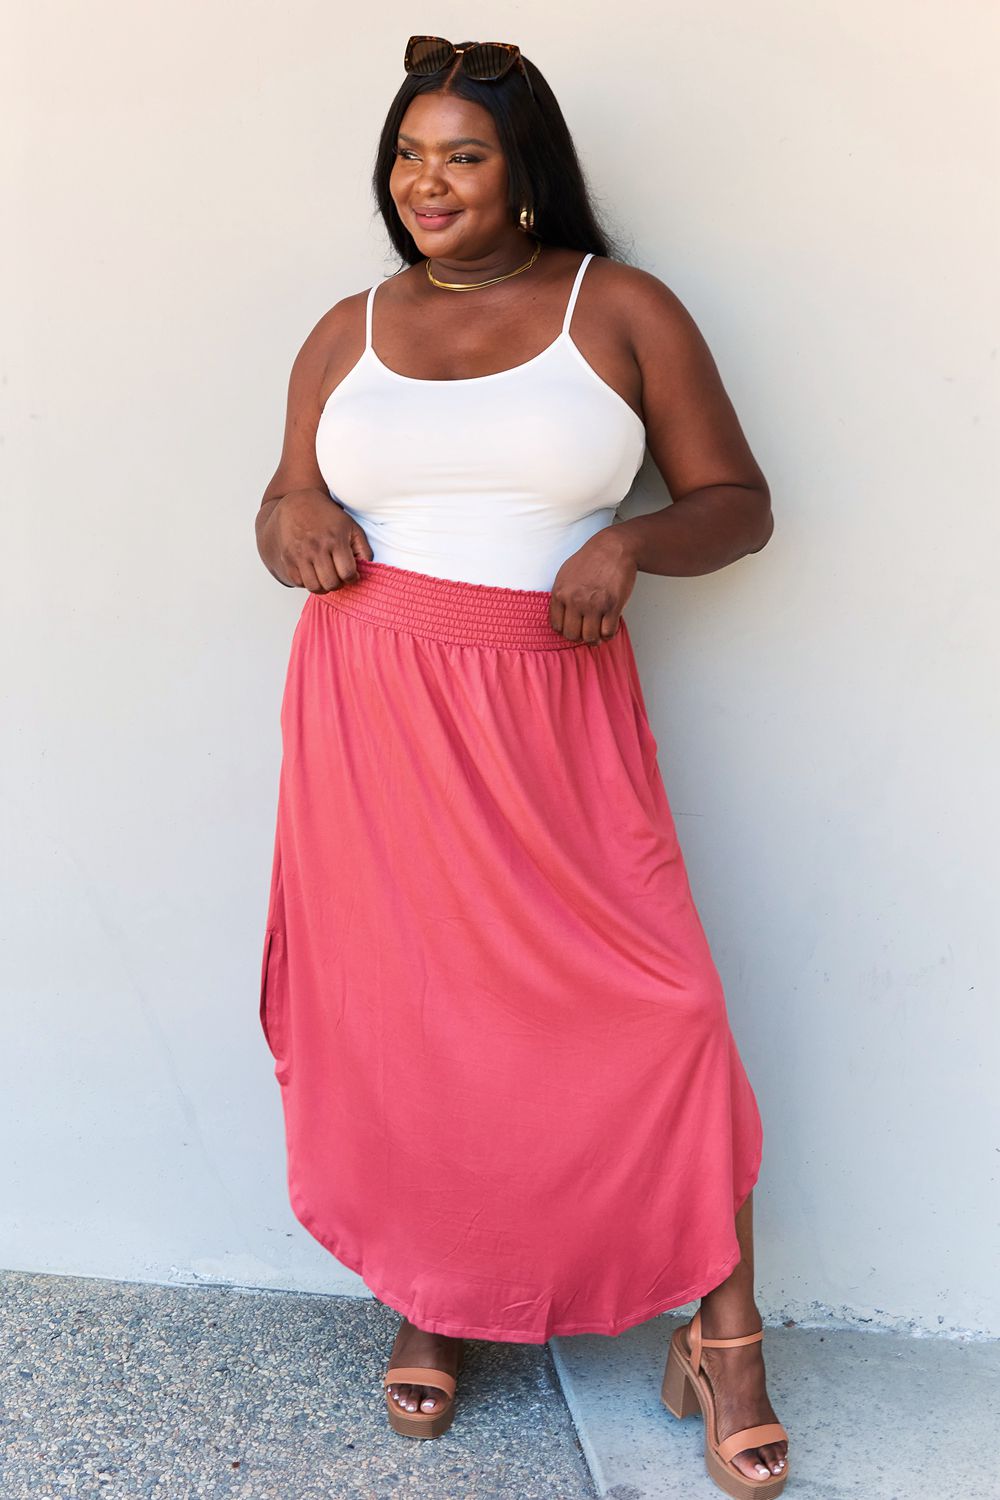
[(737, 1378), (415, 1346)]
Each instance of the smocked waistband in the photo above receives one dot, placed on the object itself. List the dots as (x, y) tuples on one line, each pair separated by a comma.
[(449, 609)]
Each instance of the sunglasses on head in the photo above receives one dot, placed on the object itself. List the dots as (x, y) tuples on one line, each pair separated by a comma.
[(484, 61)]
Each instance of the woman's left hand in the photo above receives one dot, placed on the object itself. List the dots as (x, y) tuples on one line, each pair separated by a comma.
[(592, 588)]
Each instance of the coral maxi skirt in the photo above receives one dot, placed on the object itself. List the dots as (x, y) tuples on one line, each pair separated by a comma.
[(512, 1100)]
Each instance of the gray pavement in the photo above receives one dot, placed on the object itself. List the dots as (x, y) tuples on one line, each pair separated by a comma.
[(117, 1390), (121, 1390)]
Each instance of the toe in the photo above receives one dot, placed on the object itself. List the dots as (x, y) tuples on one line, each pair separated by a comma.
[(771, 1455), (749, 1463), (411, 1397)]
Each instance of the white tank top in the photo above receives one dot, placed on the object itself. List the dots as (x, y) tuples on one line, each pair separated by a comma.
[(494, 479)]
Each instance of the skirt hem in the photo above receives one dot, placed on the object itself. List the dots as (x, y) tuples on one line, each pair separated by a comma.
[(447, 1329)]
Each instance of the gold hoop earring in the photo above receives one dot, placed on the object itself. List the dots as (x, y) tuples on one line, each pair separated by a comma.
[(527, 219)]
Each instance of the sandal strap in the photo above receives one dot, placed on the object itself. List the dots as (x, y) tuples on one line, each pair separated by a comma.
[(751, 1437), (694, 1336), (699, 1342), (420, 1375), (746, 1338)]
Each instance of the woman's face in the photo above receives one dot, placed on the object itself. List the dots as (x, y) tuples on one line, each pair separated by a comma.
[(448, 157)]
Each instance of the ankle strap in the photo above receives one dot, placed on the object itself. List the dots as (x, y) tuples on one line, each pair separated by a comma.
[(747, 1338), (698, 1342)]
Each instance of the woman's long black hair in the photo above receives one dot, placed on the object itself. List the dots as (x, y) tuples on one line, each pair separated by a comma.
[(543, 169)]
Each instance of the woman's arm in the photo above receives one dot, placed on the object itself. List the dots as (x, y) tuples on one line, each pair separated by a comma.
[(721, 506), (304, 537), (721, 503)]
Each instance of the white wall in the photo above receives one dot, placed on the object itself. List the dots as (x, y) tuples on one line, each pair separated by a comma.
[(190, 186)]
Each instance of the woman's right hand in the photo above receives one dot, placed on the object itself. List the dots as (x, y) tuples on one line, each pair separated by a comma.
[(309, 542)]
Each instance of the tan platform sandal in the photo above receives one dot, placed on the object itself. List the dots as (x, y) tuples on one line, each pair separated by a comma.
[(685, 1389), (421, 1424)]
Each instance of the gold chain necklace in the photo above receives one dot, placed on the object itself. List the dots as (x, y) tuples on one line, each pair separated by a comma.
[(472, 286)]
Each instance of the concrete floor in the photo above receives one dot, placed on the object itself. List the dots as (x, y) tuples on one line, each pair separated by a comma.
[(870, 1416), (121, 1390)]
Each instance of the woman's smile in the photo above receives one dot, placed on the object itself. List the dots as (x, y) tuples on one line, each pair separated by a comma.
[(435, 220)]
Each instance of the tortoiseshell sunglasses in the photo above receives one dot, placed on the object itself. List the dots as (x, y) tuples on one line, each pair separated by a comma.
[(484, 61)]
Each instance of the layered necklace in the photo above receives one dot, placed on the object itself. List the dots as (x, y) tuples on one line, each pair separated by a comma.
[(473, 286)]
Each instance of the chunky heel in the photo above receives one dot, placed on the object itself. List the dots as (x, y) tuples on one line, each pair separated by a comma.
[(677, 1394)]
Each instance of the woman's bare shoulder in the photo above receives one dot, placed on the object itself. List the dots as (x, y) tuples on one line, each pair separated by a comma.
[(332, 345), (339, 320), (648, 306)]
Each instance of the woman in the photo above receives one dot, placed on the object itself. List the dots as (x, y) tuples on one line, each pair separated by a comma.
[(513, 1102)]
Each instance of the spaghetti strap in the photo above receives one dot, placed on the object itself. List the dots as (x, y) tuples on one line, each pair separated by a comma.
[(368, 316), (576, 287)]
